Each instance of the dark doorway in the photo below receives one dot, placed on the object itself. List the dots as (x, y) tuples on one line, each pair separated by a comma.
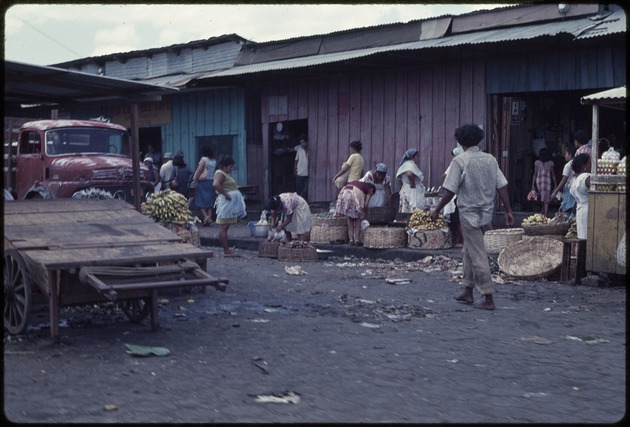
[(283, 137), (150, 136)]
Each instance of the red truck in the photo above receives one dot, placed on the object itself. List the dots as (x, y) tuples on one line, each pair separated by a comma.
[(60, 158)]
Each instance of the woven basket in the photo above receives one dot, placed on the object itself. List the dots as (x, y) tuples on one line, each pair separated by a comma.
[(531, 258), (544, 229), (268, 249), (496, 240), (330, 222), (188, 235), (287, 253), (320, 234), (381, 215), (385, 237)]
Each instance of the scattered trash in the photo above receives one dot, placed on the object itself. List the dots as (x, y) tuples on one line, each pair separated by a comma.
[(140, 350), (260, 320), (285, 397), (587, 340), (537, 340), (271, 310), (547, 309), (110, 408), (370, 325), (260, 363), (452, 361), (296, 270), (539, 394), (398, 281)]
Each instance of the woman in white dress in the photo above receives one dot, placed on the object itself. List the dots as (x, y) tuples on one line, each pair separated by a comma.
[(383, 194), (410, 179), (579, 190)]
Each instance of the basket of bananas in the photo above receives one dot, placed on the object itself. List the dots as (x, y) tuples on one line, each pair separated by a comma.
[(424, 233), (540, 225), (328, 219)]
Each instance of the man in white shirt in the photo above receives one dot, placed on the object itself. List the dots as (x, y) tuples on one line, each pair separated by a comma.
[(166, 170)]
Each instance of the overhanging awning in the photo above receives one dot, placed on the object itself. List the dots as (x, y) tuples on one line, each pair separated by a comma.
[(611, 98), (34, 84)]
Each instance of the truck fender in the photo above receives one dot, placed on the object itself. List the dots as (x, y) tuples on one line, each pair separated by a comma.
[(38, 191)]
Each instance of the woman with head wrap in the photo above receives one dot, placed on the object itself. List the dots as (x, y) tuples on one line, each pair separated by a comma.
[(383, 194), (295, 215), (410, 179)]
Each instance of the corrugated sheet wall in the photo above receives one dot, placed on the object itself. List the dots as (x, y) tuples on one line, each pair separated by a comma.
[(389, 112), (213, 113)]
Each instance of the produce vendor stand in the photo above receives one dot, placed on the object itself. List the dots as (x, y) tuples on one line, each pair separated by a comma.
[(83, 251), (607, 196)]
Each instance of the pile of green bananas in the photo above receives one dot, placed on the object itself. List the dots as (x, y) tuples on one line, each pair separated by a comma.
[(167, 206), (572, 233), (536, 219), (421, 220), (324, 215)]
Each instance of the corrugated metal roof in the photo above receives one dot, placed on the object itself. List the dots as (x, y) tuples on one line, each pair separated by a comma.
[(578, 28), (616, 95)]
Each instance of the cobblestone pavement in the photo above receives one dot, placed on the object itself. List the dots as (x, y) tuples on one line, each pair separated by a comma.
[(340, 343)]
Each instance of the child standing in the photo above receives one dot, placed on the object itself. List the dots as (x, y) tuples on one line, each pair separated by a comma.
[(568, 201), (544, 175)]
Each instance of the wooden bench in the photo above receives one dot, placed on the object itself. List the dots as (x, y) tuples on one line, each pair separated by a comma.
[(580, 262)]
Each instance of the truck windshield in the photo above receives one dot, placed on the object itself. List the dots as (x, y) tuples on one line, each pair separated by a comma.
[(86, 141)]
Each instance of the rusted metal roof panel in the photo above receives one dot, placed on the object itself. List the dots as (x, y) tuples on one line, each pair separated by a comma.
[(614, 23)]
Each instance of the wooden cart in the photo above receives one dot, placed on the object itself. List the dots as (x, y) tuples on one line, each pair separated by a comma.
[(82, 251)]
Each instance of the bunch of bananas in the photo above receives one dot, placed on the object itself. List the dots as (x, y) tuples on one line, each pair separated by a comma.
[(572, 233), (421, 220), (536, 219), (324, 215), (167, 206)]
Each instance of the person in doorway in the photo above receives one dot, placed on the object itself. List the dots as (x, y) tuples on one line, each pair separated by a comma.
[(351, 169), (153, 172), (204, 179), (155, 155), (567, 205), (383, 193), (230, 204), (352, 202), (301, 167), (166, 170), (582, 143), (409, 178), (182, 175), (291, 213), (580, 187), (475, 177), (544, 175)]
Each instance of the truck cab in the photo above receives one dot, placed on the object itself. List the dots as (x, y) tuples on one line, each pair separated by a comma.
[(59, 158)]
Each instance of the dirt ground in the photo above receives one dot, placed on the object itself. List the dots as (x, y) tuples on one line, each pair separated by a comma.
[(337, 344)]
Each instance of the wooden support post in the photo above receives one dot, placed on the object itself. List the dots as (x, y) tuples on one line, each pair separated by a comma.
[(53, 308)]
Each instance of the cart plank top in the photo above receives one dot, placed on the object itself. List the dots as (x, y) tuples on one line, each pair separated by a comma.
[(69, 233)]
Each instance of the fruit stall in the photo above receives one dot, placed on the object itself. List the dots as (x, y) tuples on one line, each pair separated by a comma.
[(605, 246)]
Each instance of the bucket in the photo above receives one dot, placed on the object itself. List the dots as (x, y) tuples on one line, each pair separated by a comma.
[(258, 230)]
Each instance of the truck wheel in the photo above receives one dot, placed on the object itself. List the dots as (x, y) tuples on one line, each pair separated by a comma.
[(17, 293)]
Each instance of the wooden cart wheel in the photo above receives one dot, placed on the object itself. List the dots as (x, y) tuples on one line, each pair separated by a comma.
[(136, 310), (17, 293)]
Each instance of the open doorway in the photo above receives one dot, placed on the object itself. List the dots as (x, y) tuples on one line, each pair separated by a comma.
[(151, 136), (283, 137)]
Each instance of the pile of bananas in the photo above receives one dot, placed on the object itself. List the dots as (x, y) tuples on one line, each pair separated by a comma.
[(167, 206), (572, 233), (324, 215), (421, 220), (536, 219)]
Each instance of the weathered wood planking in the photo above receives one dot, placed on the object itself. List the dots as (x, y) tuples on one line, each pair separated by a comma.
[(64, 205), (120, 255), (54, 218), (67, 235), (606, 226)]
